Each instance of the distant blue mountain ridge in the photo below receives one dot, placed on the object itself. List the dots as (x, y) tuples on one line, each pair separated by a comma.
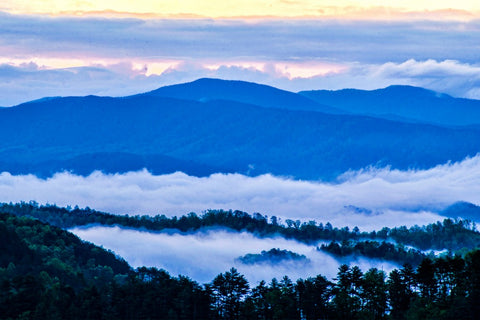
[(400, 103), (463, 210), (212, 125), (404, 103), (205, 89)]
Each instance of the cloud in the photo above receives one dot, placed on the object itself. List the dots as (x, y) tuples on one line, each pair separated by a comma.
[(448, 76), (175, 253), (336, 40), (25, 80), (51, 56), (29, 81), (247, 8), (391, 197)]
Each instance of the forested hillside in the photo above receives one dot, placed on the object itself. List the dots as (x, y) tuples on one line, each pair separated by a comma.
[(47, 273), (404, 103), (165, 134), (240, 91), (399, 244)]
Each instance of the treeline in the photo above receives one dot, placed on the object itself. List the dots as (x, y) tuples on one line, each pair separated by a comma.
[(48, 273), (274, 255), (375, 250), (450, 234)]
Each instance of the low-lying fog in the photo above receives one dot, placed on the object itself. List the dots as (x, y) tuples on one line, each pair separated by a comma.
[(203, 255), (369, 199)]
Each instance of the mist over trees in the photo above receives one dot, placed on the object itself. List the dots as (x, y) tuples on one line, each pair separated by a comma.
[(273, 256), (375, 250), (399, 244), (46, 272)]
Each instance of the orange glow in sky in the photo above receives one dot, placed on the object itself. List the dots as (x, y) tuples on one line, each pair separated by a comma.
[(246, 8)]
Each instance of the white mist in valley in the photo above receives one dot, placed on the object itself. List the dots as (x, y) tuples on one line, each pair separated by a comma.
[(370, 199), (203, 255)]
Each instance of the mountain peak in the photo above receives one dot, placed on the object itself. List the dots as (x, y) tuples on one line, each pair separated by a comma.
[(207, 89), (417, 91)]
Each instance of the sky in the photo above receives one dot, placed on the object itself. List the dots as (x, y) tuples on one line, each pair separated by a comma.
[(116, 48), (244, 8)]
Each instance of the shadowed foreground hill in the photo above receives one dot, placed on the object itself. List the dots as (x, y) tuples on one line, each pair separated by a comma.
[(48, 273), (29, 246), (167, 134)]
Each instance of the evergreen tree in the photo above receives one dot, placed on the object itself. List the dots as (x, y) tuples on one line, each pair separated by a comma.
[(374, 295), (228, 290)]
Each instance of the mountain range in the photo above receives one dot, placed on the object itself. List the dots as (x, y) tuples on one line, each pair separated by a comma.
[(404, 103), (212, 125)]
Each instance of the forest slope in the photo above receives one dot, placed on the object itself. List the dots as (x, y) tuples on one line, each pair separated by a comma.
[(164, 134)]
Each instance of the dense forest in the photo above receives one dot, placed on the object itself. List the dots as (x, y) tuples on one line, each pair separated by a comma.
[(48, 273), (400, 244), (273, 256), (376, 250)]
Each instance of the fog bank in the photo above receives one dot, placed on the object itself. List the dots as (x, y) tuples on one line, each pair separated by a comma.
[(203, 255), (370, 198)]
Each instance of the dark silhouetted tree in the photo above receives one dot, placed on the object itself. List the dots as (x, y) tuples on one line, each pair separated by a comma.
[(228, 290)]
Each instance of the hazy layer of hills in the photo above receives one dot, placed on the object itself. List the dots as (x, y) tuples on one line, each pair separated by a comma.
[(464, 210), (204, 90), (403, 103), (230, 126)]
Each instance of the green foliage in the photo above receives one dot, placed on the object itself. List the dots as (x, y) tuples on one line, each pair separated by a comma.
[(49, 273), (228, 290), (374, 295), (452, 235), (273, 256), (314, 296), (376, 250), (57, 276), (35, 246)]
